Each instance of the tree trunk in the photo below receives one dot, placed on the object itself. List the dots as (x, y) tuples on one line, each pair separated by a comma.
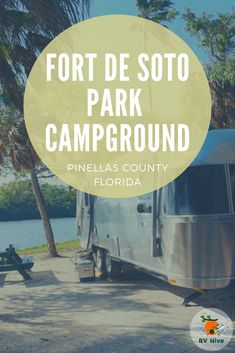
[(43, 213)]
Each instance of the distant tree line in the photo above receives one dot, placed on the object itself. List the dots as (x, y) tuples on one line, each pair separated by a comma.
[(17, 201)]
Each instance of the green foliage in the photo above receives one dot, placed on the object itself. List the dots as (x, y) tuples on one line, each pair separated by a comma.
[(60, 200), (217, 35), (207, 318), (17, 201), (223, 72), (156, 10), (26, 27)]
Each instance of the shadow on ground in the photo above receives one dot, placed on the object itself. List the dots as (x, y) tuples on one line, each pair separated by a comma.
[(41, 278), (2, 279), (94, 296), (135, 314)]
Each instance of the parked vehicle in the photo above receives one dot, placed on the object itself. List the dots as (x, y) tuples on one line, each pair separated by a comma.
[(183, 233)]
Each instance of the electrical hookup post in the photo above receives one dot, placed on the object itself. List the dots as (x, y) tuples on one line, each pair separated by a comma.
[(117, 106)]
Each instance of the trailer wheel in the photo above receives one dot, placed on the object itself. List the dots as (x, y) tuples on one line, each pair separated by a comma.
[(100, 261), (113, 268)]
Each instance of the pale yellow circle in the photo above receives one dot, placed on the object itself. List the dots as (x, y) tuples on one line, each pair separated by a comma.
[(117, 174)]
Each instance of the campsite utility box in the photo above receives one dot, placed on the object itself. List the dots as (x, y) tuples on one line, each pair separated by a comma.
[(85, 270)]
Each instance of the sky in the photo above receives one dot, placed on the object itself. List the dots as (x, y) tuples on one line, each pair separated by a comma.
[(128, 7)]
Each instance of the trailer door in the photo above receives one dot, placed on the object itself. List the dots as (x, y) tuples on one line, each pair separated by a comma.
[(83, 217)]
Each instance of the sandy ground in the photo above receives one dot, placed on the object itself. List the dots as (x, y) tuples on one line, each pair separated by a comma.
[(54, 313)]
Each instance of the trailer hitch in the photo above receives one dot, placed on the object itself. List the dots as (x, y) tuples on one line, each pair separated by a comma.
[(196, 294)]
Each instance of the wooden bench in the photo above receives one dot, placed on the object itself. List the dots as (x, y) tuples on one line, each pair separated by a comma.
[(11, 261)]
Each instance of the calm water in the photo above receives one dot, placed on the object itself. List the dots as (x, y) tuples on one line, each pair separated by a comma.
[(25, 234)]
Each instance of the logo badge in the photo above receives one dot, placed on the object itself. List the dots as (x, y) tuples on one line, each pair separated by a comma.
[(211, 329)]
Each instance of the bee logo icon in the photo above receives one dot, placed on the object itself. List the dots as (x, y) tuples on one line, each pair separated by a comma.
[(212, 326)]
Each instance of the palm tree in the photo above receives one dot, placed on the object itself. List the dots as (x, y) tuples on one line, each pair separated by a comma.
[(15, 147), (26, 27), (158, 11)]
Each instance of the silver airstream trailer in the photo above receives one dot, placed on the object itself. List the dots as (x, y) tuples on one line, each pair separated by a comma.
[(183, 233)]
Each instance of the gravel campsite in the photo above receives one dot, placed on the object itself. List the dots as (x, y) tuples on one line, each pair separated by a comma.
[(53, 312)]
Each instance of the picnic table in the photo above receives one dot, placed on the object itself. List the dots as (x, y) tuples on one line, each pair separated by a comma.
[(11, 261)]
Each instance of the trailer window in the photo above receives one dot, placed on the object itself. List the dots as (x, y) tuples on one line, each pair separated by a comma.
[(199, 190), (232, 179)]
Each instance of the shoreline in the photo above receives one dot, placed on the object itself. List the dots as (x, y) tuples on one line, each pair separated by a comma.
[(65, 245)]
